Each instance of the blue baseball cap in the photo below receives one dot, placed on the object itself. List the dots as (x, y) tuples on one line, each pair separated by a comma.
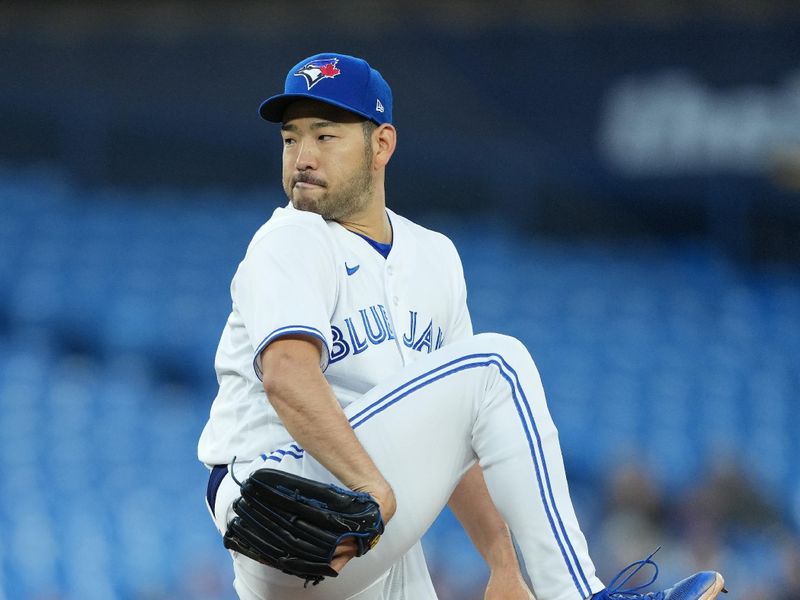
[(344, 81)]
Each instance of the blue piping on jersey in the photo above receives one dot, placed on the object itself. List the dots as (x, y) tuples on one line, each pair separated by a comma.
[(382, 249), (281, 453), (289, 330), (528, 424), (299, 453), (546, 473)]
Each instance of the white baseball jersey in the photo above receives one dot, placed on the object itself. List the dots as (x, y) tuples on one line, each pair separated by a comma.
[(425, 416), (373, 315)]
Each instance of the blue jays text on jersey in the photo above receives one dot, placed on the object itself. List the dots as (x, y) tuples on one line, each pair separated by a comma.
[(371, 314), (373, 326)]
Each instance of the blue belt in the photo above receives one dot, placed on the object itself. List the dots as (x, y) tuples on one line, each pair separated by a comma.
[(217, 475)]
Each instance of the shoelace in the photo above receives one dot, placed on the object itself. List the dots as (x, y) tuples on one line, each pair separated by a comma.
[(615, 590)]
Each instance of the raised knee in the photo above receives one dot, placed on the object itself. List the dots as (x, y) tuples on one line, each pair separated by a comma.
[(507, 346), (500, 341)]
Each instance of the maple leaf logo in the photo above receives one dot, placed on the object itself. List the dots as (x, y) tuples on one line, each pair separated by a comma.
[(329, 70), (317, 70)]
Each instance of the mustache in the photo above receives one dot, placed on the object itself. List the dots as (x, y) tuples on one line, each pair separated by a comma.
[(307, 178)]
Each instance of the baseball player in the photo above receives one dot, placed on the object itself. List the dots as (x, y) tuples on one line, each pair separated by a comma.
[(349, 358)]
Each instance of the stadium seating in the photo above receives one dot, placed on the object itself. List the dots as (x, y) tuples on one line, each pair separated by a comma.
[(111, 304)]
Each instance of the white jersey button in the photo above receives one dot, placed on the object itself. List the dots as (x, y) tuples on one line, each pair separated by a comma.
[(396, 300), (389, 270)]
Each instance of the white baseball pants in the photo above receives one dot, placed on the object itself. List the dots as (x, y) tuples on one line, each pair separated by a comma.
[(478, 399)]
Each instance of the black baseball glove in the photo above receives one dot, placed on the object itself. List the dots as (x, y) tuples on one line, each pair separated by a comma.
[(295, 524)]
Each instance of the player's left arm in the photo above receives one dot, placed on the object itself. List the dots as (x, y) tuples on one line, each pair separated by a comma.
[(473, 507)]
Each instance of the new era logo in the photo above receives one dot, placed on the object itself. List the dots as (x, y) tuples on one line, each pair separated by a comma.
[(379, 106)]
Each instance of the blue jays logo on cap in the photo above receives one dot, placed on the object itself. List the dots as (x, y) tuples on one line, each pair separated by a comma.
[(317, 70), (353, 85)]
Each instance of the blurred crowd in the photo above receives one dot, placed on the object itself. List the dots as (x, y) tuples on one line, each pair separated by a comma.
[(723, 522)]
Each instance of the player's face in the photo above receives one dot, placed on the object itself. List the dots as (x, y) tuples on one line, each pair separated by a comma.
[(327, 160)]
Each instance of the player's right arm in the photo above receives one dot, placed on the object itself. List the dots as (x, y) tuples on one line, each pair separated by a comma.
[(286, 291), (308, 408)]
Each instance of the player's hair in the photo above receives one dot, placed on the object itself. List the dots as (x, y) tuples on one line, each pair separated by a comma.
[(368, 127)]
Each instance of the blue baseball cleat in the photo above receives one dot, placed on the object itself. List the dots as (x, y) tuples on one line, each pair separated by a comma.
[(705, 585)]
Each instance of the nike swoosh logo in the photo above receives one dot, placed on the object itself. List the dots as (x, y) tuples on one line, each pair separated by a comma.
[(351, 270)]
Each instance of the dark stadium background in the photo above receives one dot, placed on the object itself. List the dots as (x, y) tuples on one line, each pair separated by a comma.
[(623, 182)]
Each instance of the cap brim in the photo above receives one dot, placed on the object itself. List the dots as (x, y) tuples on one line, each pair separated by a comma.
[(272, 109)]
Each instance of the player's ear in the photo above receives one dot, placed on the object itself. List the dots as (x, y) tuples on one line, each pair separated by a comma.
[(384, 141)]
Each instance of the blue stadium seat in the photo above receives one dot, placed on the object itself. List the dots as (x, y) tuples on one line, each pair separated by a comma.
[(115, 301)]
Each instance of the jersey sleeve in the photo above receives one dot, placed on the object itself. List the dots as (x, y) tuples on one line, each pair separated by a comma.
[(461, 322), (286, 285)]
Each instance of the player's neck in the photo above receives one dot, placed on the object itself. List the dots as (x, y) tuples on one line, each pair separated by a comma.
[(373, 223)]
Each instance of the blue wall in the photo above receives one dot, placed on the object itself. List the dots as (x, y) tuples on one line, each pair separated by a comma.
[(598, 108)]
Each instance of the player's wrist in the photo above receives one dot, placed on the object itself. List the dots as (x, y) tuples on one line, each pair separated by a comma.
[(388, 505), (507, 586), (505, 568), (502, 559), (384, 495)]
